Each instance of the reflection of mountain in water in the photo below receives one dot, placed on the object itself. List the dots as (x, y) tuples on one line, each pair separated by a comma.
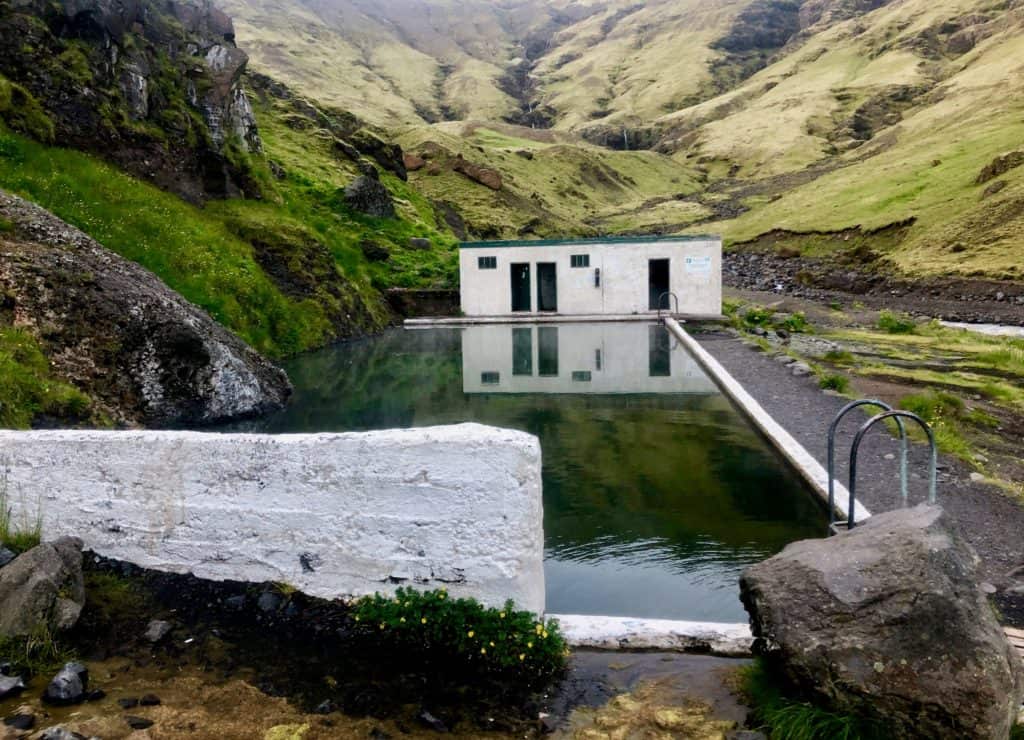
[(668, 489)]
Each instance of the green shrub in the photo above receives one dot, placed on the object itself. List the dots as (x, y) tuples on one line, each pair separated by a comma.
[(838, 383), (795, 323), (896, 323), (944, 412), (463, 635), (758, 316), (838, 357), (785, 718)]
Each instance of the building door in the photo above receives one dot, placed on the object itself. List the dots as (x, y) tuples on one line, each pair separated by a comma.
[(547, 287), (520, 286), (657, 284)]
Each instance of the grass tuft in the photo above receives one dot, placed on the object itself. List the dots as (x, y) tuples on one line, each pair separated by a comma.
[(833, 382), (896, 323)]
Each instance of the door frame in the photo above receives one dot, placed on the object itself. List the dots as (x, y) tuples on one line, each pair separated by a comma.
[(515, 268), (553, 266)]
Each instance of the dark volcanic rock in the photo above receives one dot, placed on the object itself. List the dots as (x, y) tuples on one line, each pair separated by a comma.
[(138, 723), (21, 721), (367, 195), (477, 173), (419, 243), (114, 330), (387, 154), (888, 621), (373, 251), (153, 86), (6, 556), (43, 588), (1000, 166), (68, 686)]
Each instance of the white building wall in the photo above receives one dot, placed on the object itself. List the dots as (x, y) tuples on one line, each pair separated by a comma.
[(616, 354), (333, 515), (695, 276)]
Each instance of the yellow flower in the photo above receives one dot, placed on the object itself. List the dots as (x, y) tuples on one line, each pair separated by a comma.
[(441, 595), (502, 615), (402, 619), (357, 617), (544, 634), (538, 629), (382, 625), (522, 656), (470, 633), (529, 644), (483, 651), (492, 644), (423, 621)]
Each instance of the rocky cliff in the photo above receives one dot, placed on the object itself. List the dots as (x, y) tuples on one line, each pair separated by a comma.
[(141, 352), (154, 87)]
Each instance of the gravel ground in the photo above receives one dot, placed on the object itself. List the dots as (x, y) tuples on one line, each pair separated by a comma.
[(989, 519)]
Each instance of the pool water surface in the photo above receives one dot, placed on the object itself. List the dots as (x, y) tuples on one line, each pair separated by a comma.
[(657, 492)]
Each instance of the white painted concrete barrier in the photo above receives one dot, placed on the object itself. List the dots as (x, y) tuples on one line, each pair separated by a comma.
[(631, 633), (330, 514)]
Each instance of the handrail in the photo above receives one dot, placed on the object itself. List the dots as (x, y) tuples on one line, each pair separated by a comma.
[(665, 295), (832, 453), (933, 472)]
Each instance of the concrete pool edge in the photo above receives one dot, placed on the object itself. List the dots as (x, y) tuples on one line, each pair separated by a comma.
[(434, 322), (637, 633), (802, 461)]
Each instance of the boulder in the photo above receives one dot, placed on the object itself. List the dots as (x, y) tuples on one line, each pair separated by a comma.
[(888, 621), (118, 333), (6, 556), (11, 686), (42, 588), (419, 243), (367, 195), (477, 173), (373, 251), (413, 162), (388, 155)]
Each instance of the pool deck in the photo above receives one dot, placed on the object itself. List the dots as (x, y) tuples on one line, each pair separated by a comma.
[(429, 322)]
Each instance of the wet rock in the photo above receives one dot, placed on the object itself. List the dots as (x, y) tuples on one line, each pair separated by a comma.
[(369, 196), (885, 619), (378, 734), (68, 686), (236, 603), (429, 720), (140, 350), (60, 733), (138, 723), (325, 707), (6, 556), (420, 243), (157, 630), (11, 686), (22, 721), (150, 700), (128, 702), (42, 589), (95, 695)]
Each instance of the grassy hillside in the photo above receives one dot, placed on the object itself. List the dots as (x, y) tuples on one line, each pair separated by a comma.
[(286, 273)]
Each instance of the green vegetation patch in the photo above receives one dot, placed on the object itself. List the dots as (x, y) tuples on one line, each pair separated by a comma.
[(785, 718), (896, 323), (462, 634), (27, 388)]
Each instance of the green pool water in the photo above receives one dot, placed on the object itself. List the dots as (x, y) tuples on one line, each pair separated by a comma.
[(656, 491)]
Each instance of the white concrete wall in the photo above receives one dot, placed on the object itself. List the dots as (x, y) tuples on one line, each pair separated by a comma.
[(624, 349), (695, 274), (331, 514)]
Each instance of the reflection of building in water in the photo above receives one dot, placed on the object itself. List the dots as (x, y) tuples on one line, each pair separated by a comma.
[(612, 357)]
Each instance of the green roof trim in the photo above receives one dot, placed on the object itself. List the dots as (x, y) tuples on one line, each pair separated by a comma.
[(592, 240)]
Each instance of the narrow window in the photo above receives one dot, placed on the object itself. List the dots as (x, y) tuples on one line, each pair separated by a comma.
[(597, 359), (487, 263), (581, 376), (490, 377), (579, 260)]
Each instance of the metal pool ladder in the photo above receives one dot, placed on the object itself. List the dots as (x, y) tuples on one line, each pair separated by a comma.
[(664, 295), (834, 526)]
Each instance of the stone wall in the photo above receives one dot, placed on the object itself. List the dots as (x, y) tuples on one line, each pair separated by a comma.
[(330, 514)]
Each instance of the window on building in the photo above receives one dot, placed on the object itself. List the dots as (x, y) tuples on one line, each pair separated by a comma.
[(490, 377), (581, 376), (579, 260), (487, 263)]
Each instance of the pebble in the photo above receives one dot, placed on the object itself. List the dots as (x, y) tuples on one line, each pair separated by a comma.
[(977, 477), (800, 369), (150, 700), (988, 588), (432, 722), (6, 556), (21, 721), (889, 456), (268, 602), (68, 686), (157, 630), (60, 733), (10, 686), (138, 723), (128, 702)]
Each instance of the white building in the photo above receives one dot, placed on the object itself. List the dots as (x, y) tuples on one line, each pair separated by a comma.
[(607, 357), (612, 276)]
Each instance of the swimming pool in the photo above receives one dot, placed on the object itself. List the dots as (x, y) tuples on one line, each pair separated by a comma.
[(657, 493)]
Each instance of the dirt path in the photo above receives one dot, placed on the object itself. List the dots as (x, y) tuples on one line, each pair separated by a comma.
[(991, 520)]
